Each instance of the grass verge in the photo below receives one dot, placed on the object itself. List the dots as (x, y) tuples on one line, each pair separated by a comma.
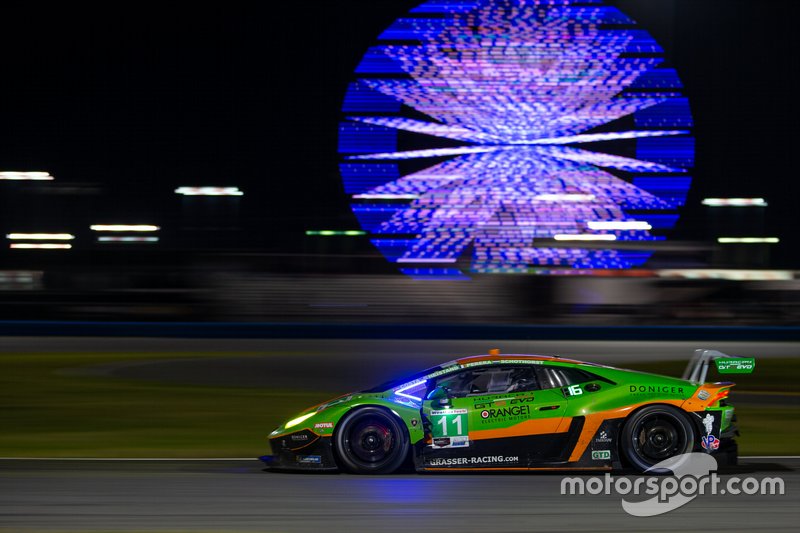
[(49, 411)]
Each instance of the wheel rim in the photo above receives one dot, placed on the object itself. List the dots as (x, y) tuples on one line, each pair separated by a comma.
[(658, 437), (370, 442)]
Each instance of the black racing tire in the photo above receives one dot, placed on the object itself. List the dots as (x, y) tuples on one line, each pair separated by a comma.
[(656, 433), (371, 440)]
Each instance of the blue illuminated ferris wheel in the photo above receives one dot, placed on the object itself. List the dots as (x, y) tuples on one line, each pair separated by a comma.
[(562, 127)]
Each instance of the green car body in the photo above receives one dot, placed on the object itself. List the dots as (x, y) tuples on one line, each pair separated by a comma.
[(510, 412)]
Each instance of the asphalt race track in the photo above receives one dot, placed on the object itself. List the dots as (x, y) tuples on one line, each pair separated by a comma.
[(233, 496)]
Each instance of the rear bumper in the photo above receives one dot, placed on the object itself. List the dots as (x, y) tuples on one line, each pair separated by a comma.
[(730, 432)]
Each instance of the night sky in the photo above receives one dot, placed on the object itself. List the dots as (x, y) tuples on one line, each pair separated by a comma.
[(131, 100)]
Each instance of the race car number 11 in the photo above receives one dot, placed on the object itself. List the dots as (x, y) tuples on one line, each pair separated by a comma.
[(450, 423)]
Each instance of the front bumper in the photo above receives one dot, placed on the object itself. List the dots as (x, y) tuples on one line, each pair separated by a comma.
[(302, 450)]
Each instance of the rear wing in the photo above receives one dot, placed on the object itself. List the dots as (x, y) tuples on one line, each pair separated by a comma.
[(697, 369)]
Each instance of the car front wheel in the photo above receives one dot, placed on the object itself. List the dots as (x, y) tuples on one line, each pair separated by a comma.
[(370, 440)]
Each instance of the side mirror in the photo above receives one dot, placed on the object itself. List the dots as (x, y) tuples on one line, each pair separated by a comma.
[(440, 397)]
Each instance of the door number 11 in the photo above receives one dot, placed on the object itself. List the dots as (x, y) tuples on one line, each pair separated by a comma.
[(456, 421)]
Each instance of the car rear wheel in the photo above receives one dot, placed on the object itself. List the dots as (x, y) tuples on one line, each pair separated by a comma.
[(370, 440), (654, 434)]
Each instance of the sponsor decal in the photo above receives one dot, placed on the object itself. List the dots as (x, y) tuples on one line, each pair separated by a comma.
[(708, 423), (473, 461), (736, 366), (486, 404), (601, 455), (309, 459), (656, 389), (447, 412), (603, 437), (459, 442), (450, 442), (323, 425), (506, 412), (709, 442), (452, 424), (300, 436), (414, 422), (703, 395)]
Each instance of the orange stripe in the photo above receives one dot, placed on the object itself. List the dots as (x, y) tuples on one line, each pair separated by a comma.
[(538, 426)]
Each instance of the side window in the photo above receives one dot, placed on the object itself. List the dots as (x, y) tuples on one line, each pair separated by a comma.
[(559, 377), (492, 380), (523, 379), (465, 382)]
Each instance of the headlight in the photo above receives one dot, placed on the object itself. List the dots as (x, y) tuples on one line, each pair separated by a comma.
[(293, 422)]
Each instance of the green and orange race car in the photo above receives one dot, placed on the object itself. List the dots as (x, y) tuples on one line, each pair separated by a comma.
[(517, 412)]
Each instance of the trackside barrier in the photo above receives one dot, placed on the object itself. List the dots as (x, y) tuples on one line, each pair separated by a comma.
[(248, 330)]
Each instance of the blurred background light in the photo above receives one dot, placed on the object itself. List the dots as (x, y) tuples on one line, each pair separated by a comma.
[(124, 227), (40, 246), (426, 260), (748, 240), (40, 236), (521, 86), (622, 225), (331, 233), (25, 176), (565, 197), (585, 237), (727, 274), (735, 202), (107, 239), (209, 191), (386, 196)]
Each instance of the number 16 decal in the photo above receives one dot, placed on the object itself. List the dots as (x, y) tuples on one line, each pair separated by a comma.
[(573, 390)]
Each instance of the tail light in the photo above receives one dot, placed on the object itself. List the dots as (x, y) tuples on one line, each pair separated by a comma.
[(721, 395)]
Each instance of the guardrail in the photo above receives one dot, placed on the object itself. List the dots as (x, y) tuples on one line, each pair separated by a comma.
[(242, 330)]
